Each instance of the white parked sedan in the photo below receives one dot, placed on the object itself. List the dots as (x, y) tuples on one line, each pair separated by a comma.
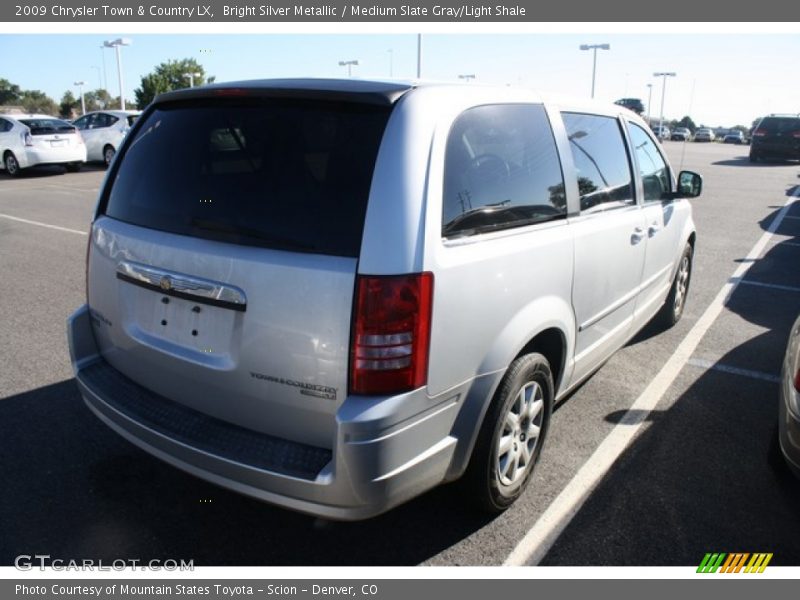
[(103, 132), (30, 140)]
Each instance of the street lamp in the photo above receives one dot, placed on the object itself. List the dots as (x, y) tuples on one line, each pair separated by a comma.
[(467, 77), (649, 100), (594, 48), (663, 93), (116, 45), (105, 76), (349, 64), (80, 85), (419, 56), (191, 77)]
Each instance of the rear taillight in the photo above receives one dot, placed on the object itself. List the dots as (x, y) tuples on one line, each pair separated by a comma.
[(759, 133), (391, 333), (27, 138)]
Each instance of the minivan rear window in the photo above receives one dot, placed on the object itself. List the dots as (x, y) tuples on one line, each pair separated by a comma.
[(284, 174)]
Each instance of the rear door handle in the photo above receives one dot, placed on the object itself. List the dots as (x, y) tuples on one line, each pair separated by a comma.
[(637, 236)]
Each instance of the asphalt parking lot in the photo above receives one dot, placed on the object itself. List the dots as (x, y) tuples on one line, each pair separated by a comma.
[(701, 474)]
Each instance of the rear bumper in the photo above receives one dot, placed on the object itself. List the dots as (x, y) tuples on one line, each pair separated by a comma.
[(378, 459), (775, 150), (33, 156), (789, 434)]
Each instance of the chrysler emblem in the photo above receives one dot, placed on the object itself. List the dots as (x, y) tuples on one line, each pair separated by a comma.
[(165, 283)]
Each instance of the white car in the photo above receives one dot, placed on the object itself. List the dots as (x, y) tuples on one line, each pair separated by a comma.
[(704, 135), (30, 140), (103, 132)]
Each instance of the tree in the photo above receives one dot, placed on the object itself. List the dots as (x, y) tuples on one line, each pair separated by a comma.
[(68, 106), (687, 123), (34, 101), (99, 99), (9, 92), (171, 75)]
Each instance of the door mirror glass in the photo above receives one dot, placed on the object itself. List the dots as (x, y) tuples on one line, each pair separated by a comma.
[(690, 184)]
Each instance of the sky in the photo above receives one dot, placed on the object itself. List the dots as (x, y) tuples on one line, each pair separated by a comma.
[(721, 79)]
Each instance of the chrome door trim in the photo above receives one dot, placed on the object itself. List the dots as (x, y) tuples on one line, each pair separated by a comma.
[(170, 283)]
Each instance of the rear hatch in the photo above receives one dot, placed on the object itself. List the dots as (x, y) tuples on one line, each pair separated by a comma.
[(49, 134), (779, 135), (223, 258)]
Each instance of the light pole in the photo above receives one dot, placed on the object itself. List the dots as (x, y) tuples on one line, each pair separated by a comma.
[(467, 77), (80, 85), (419, 56), (105, 76), (349, 64), (191, 77), (99, 77), (594, 48), (649, 100), (116, 45), (663, 93)]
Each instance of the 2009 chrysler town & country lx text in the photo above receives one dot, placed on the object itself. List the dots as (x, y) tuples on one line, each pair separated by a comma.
[(335, 295)]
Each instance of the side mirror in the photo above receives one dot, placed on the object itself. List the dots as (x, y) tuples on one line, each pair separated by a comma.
[(690, 185)]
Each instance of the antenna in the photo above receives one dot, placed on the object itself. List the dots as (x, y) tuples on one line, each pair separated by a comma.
[(689, 114)]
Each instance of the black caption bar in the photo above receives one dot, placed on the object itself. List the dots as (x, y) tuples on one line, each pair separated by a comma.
[(394, 589), (204, 11)]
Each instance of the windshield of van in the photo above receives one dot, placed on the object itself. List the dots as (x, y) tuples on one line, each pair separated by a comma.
[(284, 174)]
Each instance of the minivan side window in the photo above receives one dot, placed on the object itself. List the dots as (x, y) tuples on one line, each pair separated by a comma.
[(652, 166), (601, 161), (501, 171)]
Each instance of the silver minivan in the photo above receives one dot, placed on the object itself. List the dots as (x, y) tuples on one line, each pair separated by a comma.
[(335, 295)]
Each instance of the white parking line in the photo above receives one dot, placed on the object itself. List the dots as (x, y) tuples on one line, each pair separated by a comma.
[(774, 286), (711, 365), (539, 539), (67, 229)]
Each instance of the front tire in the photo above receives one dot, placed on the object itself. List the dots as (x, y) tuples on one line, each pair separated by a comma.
[(513, 432), (12, 165), (672, 311)]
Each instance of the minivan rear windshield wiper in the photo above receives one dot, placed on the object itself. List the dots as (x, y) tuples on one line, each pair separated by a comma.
[(256, 234), (527, 215)]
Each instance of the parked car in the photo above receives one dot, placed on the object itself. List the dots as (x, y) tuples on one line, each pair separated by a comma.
[(662, 132), (789, 404), (776, 136), (733, 137), (31, 140), (680, 134), (103, 132), (634, 104), (335, 295), (704, 135)]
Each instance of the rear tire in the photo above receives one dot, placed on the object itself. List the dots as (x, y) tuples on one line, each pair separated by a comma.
[(108, 155), (753, 157), (74, 167), (673, 307), (512, 434), (11, 164)]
